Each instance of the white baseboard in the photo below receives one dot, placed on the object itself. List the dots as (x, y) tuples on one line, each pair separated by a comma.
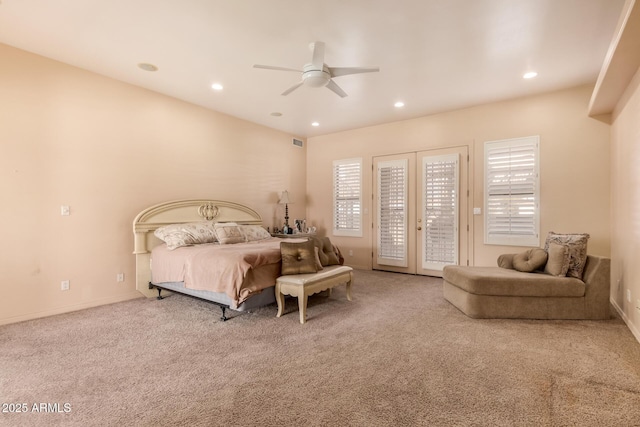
[(631, 326), (70, 308)]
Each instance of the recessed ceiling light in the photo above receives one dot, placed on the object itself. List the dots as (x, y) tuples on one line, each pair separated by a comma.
[(276, 114), (315, 124), (217, 86), (399, 104), (529, 75), (147, 67)]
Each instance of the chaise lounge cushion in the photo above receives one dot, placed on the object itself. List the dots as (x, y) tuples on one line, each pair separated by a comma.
[(503, 282), (530, 260), (577, 244), (558, 260)]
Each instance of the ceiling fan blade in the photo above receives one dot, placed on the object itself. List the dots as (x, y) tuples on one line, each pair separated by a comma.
[(345, 71), (269, 67), (291, 89), (318, 55), (337, 89)]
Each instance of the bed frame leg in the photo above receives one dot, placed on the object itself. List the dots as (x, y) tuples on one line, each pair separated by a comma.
[(224, 317)]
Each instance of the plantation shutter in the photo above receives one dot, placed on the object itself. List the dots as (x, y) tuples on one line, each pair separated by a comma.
[(440, 211), (512, 192), (347, 183), (392, 212)]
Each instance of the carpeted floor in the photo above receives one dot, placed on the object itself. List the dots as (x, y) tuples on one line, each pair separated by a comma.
[(397, 355)]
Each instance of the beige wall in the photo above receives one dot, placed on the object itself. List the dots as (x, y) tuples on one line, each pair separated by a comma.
[(574, 166), (108, 150), (625, 196)]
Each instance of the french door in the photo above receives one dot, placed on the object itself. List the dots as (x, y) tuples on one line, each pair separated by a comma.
[(420, 205)]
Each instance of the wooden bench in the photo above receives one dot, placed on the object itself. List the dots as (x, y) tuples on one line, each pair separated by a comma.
[(303, 285)]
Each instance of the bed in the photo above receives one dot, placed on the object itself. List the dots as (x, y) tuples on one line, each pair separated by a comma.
[(230, 272)]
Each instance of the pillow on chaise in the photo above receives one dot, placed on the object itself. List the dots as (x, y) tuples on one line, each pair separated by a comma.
[(298, 258), (530, 260), (577, 244), (506, 261), (558, 261)]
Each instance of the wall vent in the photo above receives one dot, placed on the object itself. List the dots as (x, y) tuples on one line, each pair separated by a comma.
[(297, 142)]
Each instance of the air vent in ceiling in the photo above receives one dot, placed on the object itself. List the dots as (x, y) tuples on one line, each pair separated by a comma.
[(297, 142)]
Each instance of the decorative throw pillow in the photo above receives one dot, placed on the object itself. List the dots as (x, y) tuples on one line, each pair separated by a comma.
[(336, 250), (298, 258), (530, 260), (559, 259), (325, 251), (187, 234), (506, 261), (577, 244), (229, 232), (254, 232), (317, 259)]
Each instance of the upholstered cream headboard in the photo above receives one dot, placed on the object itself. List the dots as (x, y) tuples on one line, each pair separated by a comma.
[(174, 212)]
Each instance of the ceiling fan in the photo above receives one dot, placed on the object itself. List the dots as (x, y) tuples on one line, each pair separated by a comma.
[(318, 74)]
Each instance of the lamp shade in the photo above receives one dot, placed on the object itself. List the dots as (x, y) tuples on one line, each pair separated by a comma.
[(284, 198)]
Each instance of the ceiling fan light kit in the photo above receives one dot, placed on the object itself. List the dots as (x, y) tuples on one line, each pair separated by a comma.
[(318, 74), (315, 78)]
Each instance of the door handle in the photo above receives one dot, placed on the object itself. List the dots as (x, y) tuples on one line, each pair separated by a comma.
[(419, 228)]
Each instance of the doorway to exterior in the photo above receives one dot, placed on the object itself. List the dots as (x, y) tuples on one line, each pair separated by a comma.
[(420, 211)]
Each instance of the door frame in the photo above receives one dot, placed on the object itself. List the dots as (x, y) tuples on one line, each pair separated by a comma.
[(414, 265)]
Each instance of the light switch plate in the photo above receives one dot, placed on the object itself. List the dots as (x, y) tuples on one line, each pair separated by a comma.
[(477, 211)]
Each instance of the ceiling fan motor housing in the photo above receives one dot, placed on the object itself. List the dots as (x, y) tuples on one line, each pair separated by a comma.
[(312, 76)]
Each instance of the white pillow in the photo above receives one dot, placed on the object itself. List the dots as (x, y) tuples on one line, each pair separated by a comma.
[(187, 234), (229, 232), (254, 232)]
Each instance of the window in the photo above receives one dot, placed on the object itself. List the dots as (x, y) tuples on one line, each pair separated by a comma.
[(347, 197), (512, 192)]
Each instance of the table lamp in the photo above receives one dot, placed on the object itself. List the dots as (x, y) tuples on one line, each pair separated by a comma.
[(284, 200)]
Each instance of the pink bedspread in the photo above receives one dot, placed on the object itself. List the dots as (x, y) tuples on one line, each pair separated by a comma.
[(215, 267)]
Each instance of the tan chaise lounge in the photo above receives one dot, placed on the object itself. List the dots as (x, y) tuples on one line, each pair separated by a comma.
[(494, 292)]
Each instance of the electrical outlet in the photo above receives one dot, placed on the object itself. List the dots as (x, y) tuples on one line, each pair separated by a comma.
[(64, 285), (350, 252), (120, 277), (65, 210)]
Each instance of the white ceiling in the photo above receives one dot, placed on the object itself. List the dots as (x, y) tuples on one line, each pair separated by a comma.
[(435, 55)]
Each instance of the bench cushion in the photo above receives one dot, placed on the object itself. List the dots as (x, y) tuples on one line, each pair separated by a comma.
[(498, 281), (303, 279)]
